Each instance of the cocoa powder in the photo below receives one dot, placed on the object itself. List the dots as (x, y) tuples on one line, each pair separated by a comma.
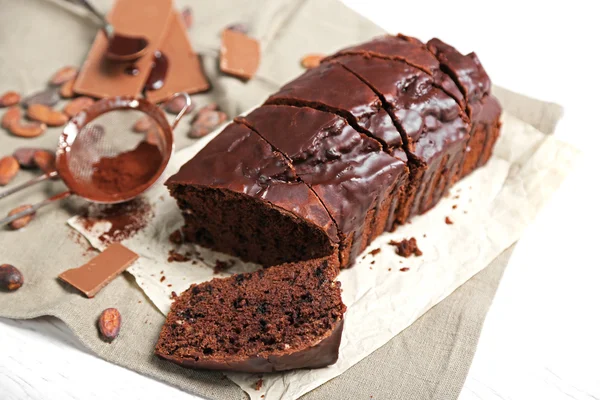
[(127, 170)]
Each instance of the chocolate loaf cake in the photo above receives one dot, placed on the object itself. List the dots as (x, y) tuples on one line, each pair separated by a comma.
[(285, 317), (341, 136)]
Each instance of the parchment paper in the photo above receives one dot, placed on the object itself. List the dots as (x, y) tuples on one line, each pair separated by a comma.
[(489, 211)]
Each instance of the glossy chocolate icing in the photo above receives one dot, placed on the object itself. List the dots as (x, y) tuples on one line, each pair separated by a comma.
[(411, 51), (241, 161), (431, 120), (320, 354), (348, 170), (345, 95)]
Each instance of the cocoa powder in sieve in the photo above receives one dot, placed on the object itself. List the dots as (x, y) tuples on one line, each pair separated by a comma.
[(127, 170)]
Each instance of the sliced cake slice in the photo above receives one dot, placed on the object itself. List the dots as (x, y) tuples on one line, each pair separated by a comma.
[(435, 128), (359, 184), (240, 197), (281, 318), (483, 108)]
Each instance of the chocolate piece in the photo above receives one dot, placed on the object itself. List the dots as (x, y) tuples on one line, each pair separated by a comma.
[(286, 317), (240, 54), (240, 197), (356, 181), (101, 77), (91, 277), (185, 72)]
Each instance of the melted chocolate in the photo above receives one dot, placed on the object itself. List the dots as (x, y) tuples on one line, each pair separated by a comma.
[(125, 46), (160, 66)]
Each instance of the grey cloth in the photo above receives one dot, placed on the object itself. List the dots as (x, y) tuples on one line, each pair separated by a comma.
[(429, 360)]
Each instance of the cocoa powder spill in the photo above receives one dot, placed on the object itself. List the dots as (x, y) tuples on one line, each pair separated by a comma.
[(126, 219), (128, 170)]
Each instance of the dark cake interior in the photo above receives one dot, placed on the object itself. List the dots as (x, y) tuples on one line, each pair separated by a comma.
[(284, 317)]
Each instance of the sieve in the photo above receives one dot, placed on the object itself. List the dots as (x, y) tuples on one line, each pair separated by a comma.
[(101, 135)]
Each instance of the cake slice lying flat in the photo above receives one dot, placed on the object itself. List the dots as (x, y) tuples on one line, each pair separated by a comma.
[(281, 318)]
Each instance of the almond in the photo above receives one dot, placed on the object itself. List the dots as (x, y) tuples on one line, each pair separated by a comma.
[(43, 113), (176, 104), (109, 324), (10, 99), (77, 105), (45, 160), (310, 61), (142, 125), (66, 90), (63, 75), (30, 130), (10, 278), (11, 116), (188, 18), (206, 121), (23, 221), (9, 167), (48, 97)]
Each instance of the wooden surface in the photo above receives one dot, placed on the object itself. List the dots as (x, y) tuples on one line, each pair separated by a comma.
[(540, 340)]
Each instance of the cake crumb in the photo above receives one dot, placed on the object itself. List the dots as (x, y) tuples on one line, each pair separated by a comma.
[(449, 221), (372, 262), (221, 266), (404, 269), (389, 269), (169, 285), (370, 267), (424, 235), (173, 295), (464, 212), (174, 256), (262, 396), (258, 384), (139, 302), (454, 207), (375, 251), (407, 247), (162, 278), (176, 237)]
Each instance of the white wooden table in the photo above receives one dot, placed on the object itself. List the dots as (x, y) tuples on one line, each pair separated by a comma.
[(541, 337)]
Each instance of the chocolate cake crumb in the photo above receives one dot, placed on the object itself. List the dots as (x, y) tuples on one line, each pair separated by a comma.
[(176, 237), (372, 262), (221, 266), (258, 384), (407, 247), (449, 221), (375, 251), (454, 207), (404, 269), (389, 269), (174, 256), (162, 278), (173, 295)]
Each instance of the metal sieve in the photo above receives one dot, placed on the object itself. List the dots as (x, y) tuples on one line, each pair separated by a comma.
[(103, 132)]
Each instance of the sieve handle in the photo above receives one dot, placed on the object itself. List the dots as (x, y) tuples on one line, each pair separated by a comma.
[(27, 184), (33, 209), (188, 104)]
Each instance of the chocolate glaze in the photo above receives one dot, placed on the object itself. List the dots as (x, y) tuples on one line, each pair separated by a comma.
[(430, 119), (413, 52), (160, 66), (321, 354), (465, 70), (240, 161), (347, 170), (124, 46), (345, 95)]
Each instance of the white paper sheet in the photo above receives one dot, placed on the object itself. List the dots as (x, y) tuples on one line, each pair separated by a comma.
[(493, 206)]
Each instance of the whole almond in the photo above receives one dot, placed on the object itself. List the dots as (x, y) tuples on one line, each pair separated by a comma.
[(48, 97), (312, 60), (42, 113), (67, 89), (176, 104), (11, 116), (10, 278), (109, 324), (142, 125), (188, 17), (63, 75), (77, 105), (10, 99), (23, 221), (29, 130), (9, 167), (205, 122), (45, 160), (24, 156)]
